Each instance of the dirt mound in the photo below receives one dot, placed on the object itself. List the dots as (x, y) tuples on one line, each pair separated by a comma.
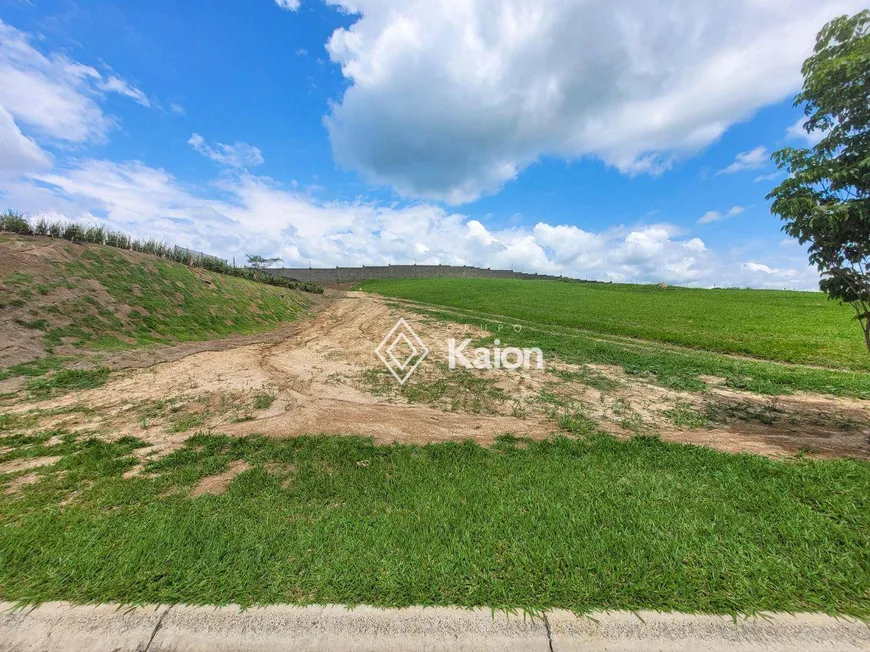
[(84, 301)]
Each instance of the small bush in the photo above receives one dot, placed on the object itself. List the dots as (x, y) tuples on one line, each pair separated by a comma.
[(73, 232), (55, 229), (15, 223), (41, 227)]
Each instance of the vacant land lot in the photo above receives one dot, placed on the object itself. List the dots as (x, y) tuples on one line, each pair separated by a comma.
[(292, 468), (801, 327)]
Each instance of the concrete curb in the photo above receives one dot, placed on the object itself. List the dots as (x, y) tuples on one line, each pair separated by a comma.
[(62, 627)]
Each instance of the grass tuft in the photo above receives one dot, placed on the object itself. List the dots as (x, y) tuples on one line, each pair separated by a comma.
[(263, 400), (67, 380)]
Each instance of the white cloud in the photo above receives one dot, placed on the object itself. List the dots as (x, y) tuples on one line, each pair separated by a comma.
[(696, 244), (52, 94), (176, 108), (49, 94), (290, 5), (798, 132), (770, 177), (452, 99), (117, 85), (240, 155), (711, 216), (751, 160), (757, 267), (716, 216), (571, 244), (255, 214), (18, 153)]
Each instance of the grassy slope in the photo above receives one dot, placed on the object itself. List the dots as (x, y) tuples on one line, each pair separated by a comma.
[(99, 299), (800, 327), (663, 364), (582, 524)]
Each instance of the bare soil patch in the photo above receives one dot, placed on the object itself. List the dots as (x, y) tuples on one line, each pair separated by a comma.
[(24, 464), (309, 367), (728, 420), (217, 484), (15, 484), (311, 372)]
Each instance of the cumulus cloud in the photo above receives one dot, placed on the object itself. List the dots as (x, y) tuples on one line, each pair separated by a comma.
[(449, 100), (289, 5), (240, 155), (751, 160), (257, 214), (757, 267), (54, 95)]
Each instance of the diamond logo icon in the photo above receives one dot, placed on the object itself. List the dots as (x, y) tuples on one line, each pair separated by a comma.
[(402, 351)]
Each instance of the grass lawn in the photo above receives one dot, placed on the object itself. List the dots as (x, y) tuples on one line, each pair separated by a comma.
[(587, 523), (799, 327)]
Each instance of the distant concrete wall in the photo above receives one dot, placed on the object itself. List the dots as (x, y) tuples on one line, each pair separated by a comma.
[(366, 273)]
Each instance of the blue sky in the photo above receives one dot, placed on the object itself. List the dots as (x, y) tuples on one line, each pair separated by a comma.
[(618, 140)]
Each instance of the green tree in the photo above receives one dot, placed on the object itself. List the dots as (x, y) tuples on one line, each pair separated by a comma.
[(826, 199), (258, 262)]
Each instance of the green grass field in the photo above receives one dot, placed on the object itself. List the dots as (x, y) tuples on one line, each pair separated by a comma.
[(798, 327), (591, 523), (583, 521), (680, 369)]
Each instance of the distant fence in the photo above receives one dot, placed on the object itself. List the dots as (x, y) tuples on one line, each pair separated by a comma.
[(199, 255), (367, 273)]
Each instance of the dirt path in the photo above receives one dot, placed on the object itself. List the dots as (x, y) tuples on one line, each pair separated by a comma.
[(311, 374), (320, 375), (311, 370)]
